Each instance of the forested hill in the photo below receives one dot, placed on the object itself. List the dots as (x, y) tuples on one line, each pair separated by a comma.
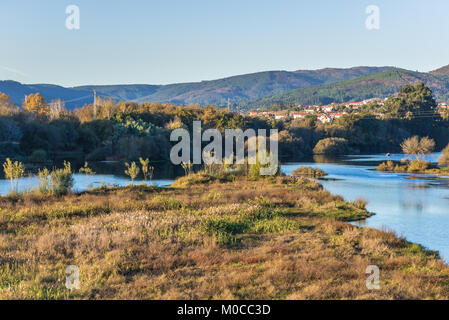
[(237, 88), (378, 85)]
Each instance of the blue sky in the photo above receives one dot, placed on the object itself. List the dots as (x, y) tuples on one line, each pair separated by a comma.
[(168, 41)]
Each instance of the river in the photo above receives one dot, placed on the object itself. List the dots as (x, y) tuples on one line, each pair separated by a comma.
[(414, 206)]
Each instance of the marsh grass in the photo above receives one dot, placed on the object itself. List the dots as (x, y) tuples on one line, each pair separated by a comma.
[(206, 238)]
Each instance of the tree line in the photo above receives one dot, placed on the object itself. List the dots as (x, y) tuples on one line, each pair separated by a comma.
[(46, 133)]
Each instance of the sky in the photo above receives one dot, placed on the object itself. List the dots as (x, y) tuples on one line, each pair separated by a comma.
[(172, 41)]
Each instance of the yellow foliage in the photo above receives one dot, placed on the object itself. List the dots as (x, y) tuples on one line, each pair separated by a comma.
[(35, 103)]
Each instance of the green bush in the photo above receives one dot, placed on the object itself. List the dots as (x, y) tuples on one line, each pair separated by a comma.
[(386, 166), (309, 172), (57, 182), (361, 203), (255, 168), (418, 166), (331, 146), (38, 156), (412, 166)]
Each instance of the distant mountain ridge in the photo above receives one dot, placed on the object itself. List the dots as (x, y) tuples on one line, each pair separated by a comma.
[(444, 71), (379, 85), (236, 89)]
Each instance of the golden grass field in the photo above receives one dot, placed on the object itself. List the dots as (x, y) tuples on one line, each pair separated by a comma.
[(275, 238)]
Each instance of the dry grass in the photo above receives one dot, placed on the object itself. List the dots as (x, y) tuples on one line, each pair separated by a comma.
[(281, 238)]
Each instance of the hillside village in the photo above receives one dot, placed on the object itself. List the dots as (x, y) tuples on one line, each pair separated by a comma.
[(329, 113)]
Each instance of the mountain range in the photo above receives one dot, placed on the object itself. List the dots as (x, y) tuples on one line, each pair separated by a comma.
[(250, 91), (378, 85)]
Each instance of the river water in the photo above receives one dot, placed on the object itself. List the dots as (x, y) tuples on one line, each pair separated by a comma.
[(82, 183), (414, 206)]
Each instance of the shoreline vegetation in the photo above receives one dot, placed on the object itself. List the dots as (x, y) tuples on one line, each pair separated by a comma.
[(419, 148), (303, 171), (414, 166), (277, 237)]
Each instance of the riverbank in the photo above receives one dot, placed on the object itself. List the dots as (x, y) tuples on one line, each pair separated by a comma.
[(277, 238)]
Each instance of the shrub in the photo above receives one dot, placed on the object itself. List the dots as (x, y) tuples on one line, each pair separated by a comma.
[(255, 168), (132, 171), (44, 181), (62, 180), (418, 147), (193, 179), (13, 171), (361, 203), (58, 182), (145, 168), (38, 156), (444, 158), (187, 166), (309, 172), (331, 146), (386, 166), (418, 166)]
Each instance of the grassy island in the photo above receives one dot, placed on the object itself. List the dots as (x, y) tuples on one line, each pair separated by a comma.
[(414, 166), (309, 172), (207, 238)]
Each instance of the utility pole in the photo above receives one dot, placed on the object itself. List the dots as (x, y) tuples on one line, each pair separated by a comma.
[(95, 104)]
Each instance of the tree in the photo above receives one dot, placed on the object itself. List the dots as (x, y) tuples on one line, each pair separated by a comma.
[(56, 108), (132, 171), (7, 107), (13, 171), (187, 166), (418, 147), (57, 182), (36, 104), (331, 146), (411, 101), (9, 130), (146, 170)]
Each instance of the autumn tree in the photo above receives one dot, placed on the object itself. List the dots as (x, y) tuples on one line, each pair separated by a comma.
[(418, 147), (132, 171), (145, 168), (7, 107), (36, 104), (13, 171), (56, 108), (106, 108)]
